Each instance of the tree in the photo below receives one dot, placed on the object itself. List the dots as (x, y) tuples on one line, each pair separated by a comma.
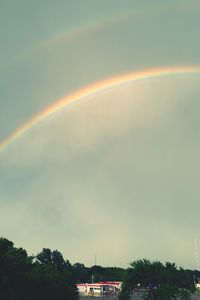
[(81, 273), (45, 256), (58, 277), (14, 267), (161, 282), (23, 278)]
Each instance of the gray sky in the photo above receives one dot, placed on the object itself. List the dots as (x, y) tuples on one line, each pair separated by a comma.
[(116, 174)]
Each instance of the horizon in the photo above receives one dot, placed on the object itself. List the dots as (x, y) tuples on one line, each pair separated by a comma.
[(112, 266)]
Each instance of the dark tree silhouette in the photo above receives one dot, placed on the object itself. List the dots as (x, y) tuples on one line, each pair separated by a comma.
[(161, 282), (24, 278)]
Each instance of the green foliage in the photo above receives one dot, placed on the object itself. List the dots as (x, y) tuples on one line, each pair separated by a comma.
[(50, 276), (161, 282), (46, 276), (81, 273), (23, 278), (99, 273), (52, 257)]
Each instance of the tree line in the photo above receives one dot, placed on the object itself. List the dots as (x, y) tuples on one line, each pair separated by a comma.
[(45, 276), (49, 276), (158, 281)]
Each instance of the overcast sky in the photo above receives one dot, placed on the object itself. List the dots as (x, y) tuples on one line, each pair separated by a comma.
[(117, 173)]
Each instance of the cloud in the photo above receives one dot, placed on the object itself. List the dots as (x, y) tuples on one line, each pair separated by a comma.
[(106, 171), (84, 125)]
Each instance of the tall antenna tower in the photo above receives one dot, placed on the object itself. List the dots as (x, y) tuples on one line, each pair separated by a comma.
[(196, 253)]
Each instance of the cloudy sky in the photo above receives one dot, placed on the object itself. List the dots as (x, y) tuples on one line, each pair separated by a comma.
[(115, 174)]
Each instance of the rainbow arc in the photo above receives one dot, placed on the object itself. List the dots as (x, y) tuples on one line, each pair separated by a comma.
[(95, 88)]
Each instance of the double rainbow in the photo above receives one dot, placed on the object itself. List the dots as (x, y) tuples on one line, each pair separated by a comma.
[(98, 87)]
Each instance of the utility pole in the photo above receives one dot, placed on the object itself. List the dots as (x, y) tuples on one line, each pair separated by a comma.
[(196, 253), (196, 280)]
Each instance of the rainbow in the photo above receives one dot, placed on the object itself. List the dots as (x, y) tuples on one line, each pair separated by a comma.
[(81, 29), (71, 34), (98, 87)]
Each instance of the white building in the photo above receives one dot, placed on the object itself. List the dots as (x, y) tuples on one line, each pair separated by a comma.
[(99, 289)]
